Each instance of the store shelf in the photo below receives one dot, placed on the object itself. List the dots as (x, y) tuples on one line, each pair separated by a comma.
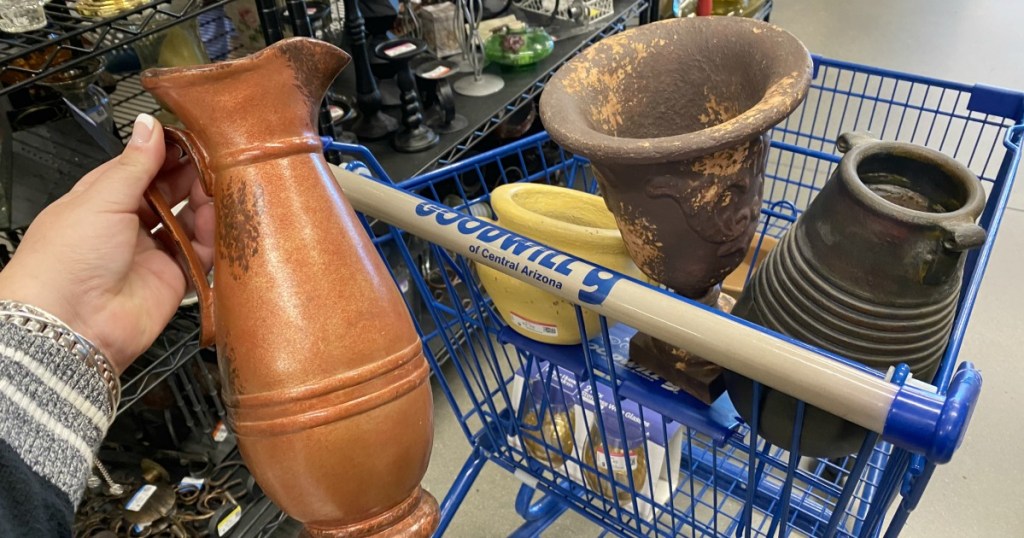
[(486, 113), (48, 159), (175, 346), (32, 56)]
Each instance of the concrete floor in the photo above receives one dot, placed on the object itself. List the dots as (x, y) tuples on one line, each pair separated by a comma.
[(977, 494)]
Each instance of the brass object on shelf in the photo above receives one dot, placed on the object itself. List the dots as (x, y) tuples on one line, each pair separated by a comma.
[(153, 472), (102, 9), (34, 61)]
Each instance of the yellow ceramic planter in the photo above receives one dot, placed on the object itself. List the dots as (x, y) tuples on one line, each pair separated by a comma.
[(565, 219)]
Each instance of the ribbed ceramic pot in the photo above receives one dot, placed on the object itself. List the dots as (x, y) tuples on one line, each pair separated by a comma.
[(871, 271), (565, 219)]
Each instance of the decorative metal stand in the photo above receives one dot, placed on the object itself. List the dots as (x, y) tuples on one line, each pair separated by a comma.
[(479, 84)]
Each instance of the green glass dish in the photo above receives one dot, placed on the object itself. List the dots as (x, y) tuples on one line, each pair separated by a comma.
[(518, 48)]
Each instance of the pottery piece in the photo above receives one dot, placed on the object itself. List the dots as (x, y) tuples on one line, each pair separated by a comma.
[(565, 219), (323, 373), (674, 117), (439, 28), (871, 271), (519, 47)]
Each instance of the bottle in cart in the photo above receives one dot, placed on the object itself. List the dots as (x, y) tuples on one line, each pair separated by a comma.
[(618, 454), (551, 437)]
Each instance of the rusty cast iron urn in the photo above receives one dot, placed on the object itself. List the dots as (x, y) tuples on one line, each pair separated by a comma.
[(674, 117), (323, 372)]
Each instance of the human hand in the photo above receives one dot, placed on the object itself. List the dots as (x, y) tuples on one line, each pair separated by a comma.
[(89, 257)]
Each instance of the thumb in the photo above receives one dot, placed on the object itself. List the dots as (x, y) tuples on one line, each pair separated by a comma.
[(120, 187)]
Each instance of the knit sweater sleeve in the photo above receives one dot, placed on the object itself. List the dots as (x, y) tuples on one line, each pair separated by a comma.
[(54, 412)]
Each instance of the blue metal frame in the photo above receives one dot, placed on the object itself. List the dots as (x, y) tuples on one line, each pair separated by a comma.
[(733, 484)]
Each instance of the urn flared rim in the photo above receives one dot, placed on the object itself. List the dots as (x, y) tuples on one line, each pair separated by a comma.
[(786, 66)]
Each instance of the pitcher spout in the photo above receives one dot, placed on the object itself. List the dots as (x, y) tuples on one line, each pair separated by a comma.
[(216, 101)]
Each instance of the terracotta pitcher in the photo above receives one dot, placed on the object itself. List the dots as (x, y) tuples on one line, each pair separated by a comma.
[(324, 375), (675, 116)]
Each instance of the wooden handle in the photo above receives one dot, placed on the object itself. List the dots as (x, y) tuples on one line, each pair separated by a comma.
[(175, 237)]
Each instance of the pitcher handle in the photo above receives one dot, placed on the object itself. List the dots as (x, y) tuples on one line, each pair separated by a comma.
[(178, 239)]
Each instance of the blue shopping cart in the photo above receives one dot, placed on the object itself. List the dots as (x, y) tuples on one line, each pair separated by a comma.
[(586, 430)]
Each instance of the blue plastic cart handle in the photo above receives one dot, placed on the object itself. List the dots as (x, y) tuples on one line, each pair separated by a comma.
[(930, 424)]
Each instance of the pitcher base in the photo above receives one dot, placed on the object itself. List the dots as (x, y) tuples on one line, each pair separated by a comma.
[(416, 517)]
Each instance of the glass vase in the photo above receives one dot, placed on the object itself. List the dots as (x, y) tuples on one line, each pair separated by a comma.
[(551, 436), (625, 451), (77, 85)]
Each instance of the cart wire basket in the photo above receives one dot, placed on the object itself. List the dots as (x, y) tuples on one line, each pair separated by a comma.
[(585, 429)]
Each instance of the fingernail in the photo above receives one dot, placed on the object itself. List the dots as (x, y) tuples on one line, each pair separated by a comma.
[(142, 132)]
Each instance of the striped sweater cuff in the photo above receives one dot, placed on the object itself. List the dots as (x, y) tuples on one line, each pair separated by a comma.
[(55, 408)]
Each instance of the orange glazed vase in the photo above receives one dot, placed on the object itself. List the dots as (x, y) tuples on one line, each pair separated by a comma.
[(323, 372)]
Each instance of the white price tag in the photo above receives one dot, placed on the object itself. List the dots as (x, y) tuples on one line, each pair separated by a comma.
[(437, 72), (220, 433), (190, 482), (618, 459), (538, 327), (229, 521), (399, 49), (139, 499)]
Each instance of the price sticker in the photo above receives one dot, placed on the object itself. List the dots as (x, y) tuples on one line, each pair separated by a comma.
[(189, 482), (437, 72), (139, 499), (399, 49), (220, 433), (229, 521)]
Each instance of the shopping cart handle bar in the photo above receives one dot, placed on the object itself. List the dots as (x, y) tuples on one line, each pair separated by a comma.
[(908, 416), (932, 425)]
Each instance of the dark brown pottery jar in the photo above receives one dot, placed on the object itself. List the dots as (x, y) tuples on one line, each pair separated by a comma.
[(674, 117), (323, 372), (871, 271)]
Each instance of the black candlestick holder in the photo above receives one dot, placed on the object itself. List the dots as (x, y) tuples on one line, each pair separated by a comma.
[(435, 84), (372, 123), (414, 135)]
